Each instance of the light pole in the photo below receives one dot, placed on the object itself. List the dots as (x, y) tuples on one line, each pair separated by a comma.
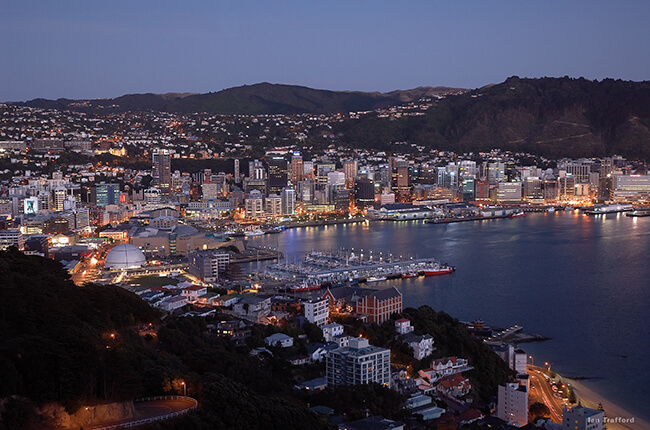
[(92, 416), (184, 388), (532, 362)]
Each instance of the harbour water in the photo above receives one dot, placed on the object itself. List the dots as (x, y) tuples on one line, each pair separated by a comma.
[(582, 280)]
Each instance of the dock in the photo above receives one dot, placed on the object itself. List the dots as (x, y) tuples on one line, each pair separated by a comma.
[(505, 333)]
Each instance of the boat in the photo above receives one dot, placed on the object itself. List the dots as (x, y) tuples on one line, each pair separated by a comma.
[(376, 279), (608, 209), (517, 214), (438, 269), (409, 275), (254, 233), (639, 213), (276, 229), (304, 286)]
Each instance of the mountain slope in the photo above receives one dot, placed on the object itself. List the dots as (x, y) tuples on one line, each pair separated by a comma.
[(554, 117)]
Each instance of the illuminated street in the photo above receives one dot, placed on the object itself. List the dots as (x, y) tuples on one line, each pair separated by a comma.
[(541, 390)]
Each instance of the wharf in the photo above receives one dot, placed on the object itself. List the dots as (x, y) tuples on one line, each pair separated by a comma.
[(504, 333), (318, 223), (255, 254), (469, 218)]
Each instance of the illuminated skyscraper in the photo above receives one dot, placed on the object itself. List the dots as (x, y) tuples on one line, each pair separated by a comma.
[(288, 201), (350, 170), (296, 168), (106, 194), (364, 192), (278, 174), (236, 174), (162, 169), (402, 187)]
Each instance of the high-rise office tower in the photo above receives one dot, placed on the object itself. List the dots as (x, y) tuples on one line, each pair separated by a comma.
[(296, 168), (236, 174), (364, 192), (350, 171), (288, 201), (496, 172), (256, 170), (308, 169), (106, 194), (162, 169), (60, 194), (278, 174), (323, 168), (402, 187)]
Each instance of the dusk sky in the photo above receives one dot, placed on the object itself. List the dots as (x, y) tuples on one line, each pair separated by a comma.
[(90, 49)]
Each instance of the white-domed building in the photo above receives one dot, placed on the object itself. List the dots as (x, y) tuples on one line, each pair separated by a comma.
[(124, 256)]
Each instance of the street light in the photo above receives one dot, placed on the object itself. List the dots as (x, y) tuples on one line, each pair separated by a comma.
[(184, 388), (532, 362), (92, 416)]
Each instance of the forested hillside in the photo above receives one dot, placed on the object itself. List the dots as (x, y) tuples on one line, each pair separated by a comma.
[(553, 117)]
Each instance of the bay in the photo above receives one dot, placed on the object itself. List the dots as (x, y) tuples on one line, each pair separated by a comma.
[(583, 281)]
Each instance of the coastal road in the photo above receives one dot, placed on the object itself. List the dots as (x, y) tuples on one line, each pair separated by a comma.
[(154, 409), (541, 391)]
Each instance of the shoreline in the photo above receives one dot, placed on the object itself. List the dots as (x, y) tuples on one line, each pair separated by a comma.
[(590, 399)]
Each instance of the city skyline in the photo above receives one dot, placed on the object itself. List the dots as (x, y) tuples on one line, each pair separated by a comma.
[(277, 256), (96, 51)]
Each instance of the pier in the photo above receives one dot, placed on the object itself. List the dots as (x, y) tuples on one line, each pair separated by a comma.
[(505, 333)]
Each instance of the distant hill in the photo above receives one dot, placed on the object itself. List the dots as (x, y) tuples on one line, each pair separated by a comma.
[(553, 117), (263, 98)]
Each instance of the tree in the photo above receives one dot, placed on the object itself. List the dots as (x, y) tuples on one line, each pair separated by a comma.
[(313, 332), (539, 409), (572, 396)]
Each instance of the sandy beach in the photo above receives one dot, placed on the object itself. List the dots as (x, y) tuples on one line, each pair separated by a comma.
[(590, 399)]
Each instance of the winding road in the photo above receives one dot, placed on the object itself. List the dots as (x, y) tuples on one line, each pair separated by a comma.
[(148, 410), (542, 391)]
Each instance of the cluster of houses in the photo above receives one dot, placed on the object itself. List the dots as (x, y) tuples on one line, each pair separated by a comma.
[(372, 306), (348, 360), (353, 360)]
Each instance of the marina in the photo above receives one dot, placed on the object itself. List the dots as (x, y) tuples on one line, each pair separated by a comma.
[(318, 268)]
